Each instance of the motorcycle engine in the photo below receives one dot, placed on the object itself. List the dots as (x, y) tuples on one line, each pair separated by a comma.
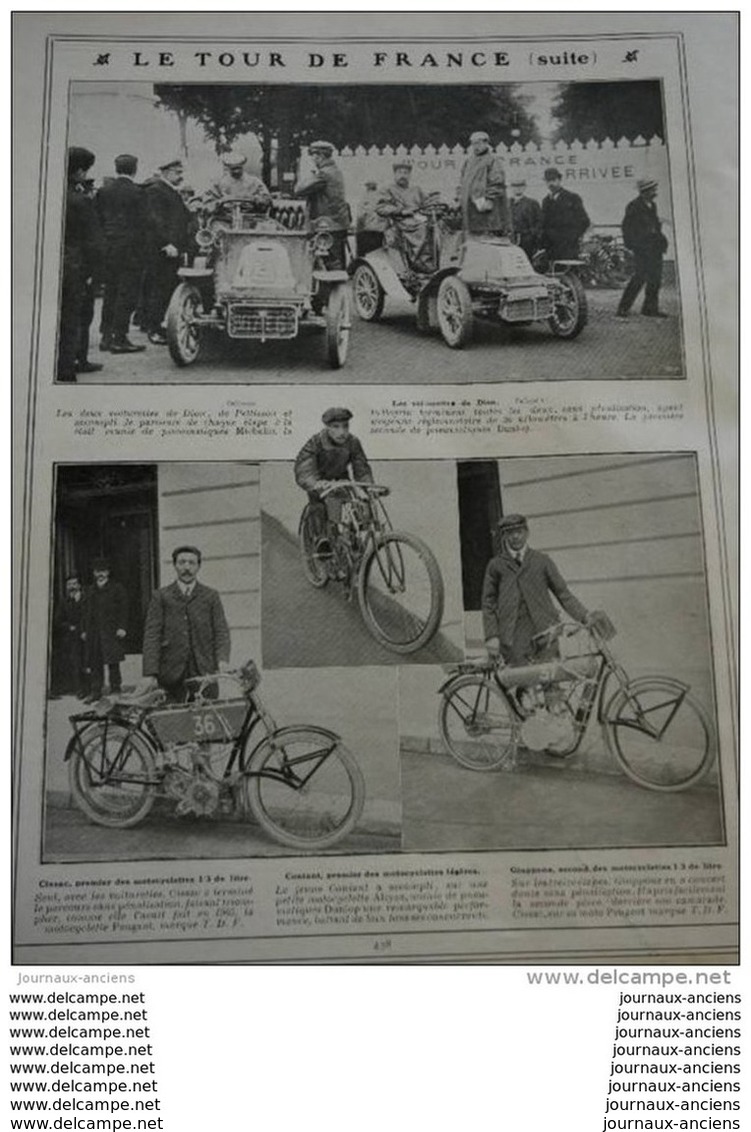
[(192, 789), (548, 730)]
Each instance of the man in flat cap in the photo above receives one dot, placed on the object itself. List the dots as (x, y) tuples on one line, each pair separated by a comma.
[(482, 190), (402, 203), (564, 219), (644, 238), (186, 632), (167, 239), (323, 192), (105, 620), (329, 457), (82, 252), (236, 182), (526, 218), (121, 205), (516, 601)]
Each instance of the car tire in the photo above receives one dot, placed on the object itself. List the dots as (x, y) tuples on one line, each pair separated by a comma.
[(338, 320), (368, 295), (454, 312), (183, 336)]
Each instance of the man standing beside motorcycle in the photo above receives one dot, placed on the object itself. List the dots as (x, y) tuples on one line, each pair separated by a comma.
[(327, 458), (516, 601), (402, 203), (323, 192), (482, 190)]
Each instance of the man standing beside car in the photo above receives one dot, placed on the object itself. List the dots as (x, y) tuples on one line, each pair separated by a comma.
[(168, 238), (526, 219), (564, 219), (120, 203), (186, 632), (323, 192), (516, 601), (482, 190)]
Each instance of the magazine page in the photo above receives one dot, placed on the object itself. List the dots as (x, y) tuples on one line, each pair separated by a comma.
[(375, 520)]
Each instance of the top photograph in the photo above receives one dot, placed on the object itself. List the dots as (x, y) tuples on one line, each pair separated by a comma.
[(391, 234)]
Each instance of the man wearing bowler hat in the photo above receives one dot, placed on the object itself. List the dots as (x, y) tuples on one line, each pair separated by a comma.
[(516, 597), (323, 192), (482, 190), (168, 223), (329, 457), (564, 219), (643, 236), (186, 632), (105, 619), (402, 203)]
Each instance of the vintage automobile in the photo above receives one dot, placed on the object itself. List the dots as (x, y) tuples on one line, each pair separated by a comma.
[(259, 275), (467, 277)]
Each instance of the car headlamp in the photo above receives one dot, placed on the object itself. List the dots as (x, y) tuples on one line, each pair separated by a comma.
[(205, 238), (323, 242)]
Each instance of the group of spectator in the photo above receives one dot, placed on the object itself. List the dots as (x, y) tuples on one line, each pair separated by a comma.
[(127, 239), (185, 634)]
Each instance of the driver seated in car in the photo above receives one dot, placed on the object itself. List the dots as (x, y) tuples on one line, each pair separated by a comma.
[(327, 458), (402, 204), (236, 183)]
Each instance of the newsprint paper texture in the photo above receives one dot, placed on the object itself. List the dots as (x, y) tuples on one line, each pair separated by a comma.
[(375, 517)]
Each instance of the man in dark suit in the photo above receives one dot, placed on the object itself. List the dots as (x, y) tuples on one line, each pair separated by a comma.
[(104, 622), (81, 255), (526, 218), (168, 223), (564, 219), (323, 192), (642, 235), (120, 202), (516, 601), (186, 631), (68, 667)]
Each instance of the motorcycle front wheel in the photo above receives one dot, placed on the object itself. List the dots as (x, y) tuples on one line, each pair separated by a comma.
[(476, 723), (400, 591), (659, 734), (112, 774), (304, 788)]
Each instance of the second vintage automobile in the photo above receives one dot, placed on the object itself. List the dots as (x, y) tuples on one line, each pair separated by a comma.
[(261, 276), (465, 278)]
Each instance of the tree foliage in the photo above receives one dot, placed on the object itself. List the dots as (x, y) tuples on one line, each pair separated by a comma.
[(595, 111), (295, 115)]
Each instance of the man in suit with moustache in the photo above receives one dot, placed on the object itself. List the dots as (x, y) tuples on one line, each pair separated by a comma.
[(168, 222), (186, 631), (516, 597)]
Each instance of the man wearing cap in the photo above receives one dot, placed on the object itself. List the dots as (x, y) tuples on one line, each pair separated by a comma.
[(369, 226), (186, 632), (167, 239), (105, 618), (516, 601), (402, 203), (236, 182), (564, 219), (526, 218), (121, 206), (326, 458), (482, 190), (323, 192), (643, 236), (81, 260)]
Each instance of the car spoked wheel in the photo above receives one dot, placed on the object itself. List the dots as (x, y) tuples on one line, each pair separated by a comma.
[(367, 293), (183, 335), (338, 322), (569, 315), (454, 312)]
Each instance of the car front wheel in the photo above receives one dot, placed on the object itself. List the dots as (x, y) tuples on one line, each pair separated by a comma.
[(183, 333), (454, 312), (569, 315), (338, 320)]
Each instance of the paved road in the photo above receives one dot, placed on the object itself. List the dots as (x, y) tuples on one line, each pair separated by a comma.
[(69, 836), (303, 627), (448, 807), (393, 352)]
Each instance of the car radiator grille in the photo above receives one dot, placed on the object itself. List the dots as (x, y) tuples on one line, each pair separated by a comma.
[(245, 321), (527, 310)]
